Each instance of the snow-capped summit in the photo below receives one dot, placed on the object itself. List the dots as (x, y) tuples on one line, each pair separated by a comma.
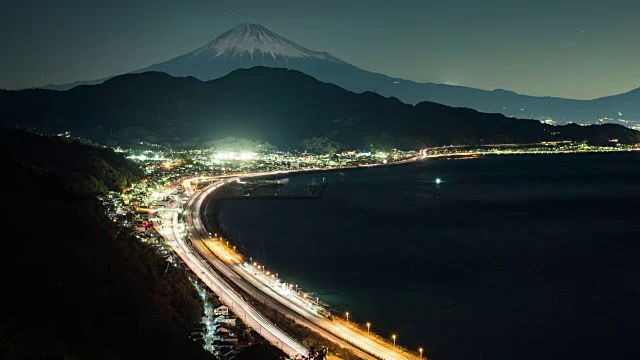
[(255, 40), (243, 47)]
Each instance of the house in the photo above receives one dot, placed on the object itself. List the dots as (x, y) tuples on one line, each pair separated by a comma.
[(224, 331), (225, 320), (221, 310), (223, 340)]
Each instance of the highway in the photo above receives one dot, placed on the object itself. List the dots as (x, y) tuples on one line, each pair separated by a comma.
[(174, 236), (216, 265), (224, 271), (302, 310), (263, 294)]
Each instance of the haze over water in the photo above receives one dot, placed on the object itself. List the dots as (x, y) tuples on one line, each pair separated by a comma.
[(510, 257)]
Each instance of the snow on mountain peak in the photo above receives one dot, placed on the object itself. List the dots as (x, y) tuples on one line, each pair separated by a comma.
[(255, 39)]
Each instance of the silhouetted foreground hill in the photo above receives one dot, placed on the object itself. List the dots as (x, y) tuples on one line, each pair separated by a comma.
[(78, 168), (74, 286), (283, 107)]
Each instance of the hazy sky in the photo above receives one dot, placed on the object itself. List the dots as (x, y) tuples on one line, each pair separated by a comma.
[(562, 48)]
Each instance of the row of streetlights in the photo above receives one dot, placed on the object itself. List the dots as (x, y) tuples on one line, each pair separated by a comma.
[(393, 336)]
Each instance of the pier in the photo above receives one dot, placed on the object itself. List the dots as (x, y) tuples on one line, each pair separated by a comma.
[(260, 189)]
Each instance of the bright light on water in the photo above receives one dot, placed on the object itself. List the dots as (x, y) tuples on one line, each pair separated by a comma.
[(438, 181)]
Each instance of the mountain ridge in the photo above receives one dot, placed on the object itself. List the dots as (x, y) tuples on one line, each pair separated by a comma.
[(283, 107), (249, 45)]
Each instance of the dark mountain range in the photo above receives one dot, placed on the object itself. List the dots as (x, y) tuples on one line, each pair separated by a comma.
[(280, 106), (249, 45)]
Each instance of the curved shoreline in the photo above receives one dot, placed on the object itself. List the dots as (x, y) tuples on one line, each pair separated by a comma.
[(212, 200), (214, 227), (303, 309), (205, 212), (334, 329)]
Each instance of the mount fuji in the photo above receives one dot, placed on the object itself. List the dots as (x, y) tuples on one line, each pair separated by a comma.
[(246, 46), (249, 45)]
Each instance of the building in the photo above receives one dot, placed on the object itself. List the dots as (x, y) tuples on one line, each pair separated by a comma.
[(225, 320), (221, 310), (223, 331)]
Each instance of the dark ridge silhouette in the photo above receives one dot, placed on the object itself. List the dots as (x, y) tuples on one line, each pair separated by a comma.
[(282, 107)]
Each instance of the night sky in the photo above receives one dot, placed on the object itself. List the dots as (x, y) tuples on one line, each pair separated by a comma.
[(573, 49)]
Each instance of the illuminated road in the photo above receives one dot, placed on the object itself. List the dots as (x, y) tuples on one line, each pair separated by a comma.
[(172, 230), (224, 271), (263, 294), (273, 294), (209, 261)]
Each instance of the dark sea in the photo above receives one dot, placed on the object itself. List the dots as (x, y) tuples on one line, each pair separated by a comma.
[(509, 257)]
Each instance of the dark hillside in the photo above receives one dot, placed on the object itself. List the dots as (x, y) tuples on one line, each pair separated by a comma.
[(74, 285)]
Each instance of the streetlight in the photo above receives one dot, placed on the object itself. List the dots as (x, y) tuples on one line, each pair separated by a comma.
[(394, 340), (420, 349), (368, 328), (347, 316)]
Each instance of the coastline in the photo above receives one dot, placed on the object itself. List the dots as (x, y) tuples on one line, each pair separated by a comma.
[(442, 156), (213, 203), (342, 337), (211, 212), (212, 206)]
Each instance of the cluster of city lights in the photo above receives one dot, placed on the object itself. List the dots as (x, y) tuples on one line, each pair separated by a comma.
[(235, 155)]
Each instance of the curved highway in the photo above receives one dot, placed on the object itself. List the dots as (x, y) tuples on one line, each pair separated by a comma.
[(174, 235), (301, 310), (216, 267)]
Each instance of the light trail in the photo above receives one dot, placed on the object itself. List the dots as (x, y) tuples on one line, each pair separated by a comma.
[(202, 255), (228, 295), (307, 313)]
